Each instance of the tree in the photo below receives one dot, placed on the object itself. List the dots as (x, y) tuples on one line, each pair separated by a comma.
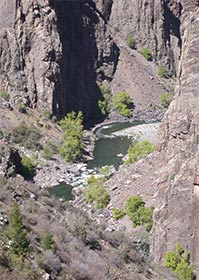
[(104, 104), (121, 102), (178, 262), (16, 233), (95, 192), (72, 138)]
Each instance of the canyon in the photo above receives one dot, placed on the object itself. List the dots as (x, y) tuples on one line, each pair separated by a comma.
[(55, 54)]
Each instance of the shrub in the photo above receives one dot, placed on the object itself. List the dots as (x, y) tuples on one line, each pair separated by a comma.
[(121, 102), (133, 203), (104, 104), (21, 108), (72, 138), (138, 213), (16, 233), (47, 114), (3, 181), (163, 72), (4, 95), (47, 242), (47, 151), (118, 213), (27, 166), (130, 41), (27, 136), (165, 99), (178, 262), (95, 192), (139, 150), (146, 54)]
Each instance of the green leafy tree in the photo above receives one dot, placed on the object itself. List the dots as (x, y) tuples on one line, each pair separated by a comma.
[(184, 271), (139, 150), (178, 262), (72, 138), (95, 192), (16, 233), (105, 104), (138, 213), (121, 102)]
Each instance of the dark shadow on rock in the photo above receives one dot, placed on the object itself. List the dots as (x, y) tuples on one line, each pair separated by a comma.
[(80, 66)]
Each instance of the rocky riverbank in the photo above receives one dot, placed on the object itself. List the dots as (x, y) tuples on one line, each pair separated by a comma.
[(141, 132)]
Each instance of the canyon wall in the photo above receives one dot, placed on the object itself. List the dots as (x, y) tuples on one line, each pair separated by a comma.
[(177, 213), (52, 53)]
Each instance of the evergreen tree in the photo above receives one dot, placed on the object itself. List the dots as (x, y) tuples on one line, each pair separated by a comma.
[(16, 233)]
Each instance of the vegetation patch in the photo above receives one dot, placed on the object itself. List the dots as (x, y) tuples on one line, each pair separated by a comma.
[(121, 102), (138, 213), (163, 72), (165, 99), (47, 151), (27, 136), (72, 138), (4, 95), (27, 168), (139, 150), (146, 53), (105, 104), (178, 262), (48, 242), (16, 233), (47, 115), (130, 42), (118, 213), (95, 192)]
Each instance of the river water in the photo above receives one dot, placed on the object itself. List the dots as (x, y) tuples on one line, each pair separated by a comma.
[(109, 150)]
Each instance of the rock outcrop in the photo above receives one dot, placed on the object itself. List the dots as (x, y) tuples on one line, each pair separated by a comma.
[(177, 214), (53, 52)]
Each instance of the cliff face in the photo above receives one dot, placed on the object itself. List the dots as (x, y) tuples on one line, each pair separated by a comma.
[(52, 54), (177, 215)]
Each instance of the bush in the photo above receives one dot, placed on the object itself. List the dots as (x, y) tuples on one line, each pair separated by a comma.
[(178, 262), (104, 105), (47, 151), (165, 99), (118, 213), (95, 192), (72, 138), (138, 213), (27, 166), (139, 150), (21, 108), (47, 242), (121, 102), (163, 72), (27, 136), (146, 54), (16, 233), (4, 95), (47, 114), (130, 41)]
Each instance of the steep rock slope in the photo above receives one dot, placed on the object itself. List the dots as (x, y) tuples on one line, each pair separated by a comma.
[(153, 24), (53, 52), (176, 217)]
